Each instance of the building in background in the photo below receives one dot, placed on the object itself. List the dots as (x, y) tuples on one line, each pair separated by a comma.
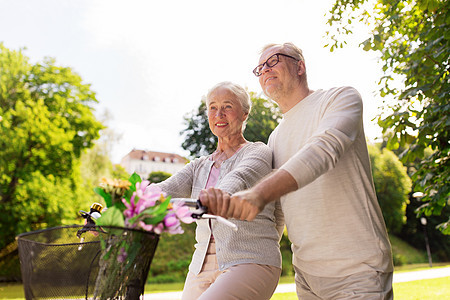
[(144, 162)]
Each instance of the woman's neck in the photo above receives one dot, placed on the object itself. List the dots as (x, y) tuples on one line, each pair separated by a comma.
[(230, 144), (226, 148)]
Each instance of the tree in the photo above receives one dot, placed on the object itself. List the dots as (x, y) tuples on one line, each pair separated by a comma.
[(46, 123), (199, 140), (392, 185), (263, 119), (158, 176), (412, 38)]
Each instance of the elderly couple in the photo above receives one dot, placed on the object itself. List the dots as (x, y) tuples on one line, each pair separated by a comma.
[(321, 188)]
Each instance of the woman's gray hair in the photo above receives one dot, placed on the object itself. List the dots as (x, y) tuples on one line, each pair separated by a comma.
[(240, 93)]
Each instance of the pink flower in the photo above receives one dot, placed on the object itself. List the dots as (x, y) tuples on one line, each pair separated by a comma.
[(171, 220), (152, 191), (159, 228), (183, 213), (146, 227), (172, 224), (144, 197)]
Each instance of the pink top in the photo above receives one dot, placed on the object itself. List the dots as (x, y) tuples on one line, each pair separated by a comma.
[(212, 181), (213, 177), (214, 173)]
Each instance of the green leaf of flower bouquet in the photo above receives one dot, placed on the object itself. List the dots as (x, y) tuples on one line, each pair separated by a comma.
[(119, 205), (104, 195), (148, 214), (129, 193), (162, 208), (152, 215), (154, 219), (111, 217), (157, 210), (134, 178)]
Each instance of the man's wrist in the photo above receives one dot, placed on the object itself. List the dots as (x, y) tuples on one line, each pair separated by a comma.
[(262, 193)]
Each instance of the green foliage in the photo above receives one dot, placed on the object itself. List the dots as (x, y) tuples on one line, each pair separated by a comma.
[(199, 140), (158, 176), (414, 231), (173, 256), (392, 186), (412, 38), (404, 254), (46, 123), (94, 164), (286, 255), (119, 172), (263, 119)]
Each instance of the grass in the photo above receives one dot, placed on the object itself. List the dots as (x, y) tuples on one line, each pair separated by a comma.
[(164, 287), (438, 288), (404, 254)]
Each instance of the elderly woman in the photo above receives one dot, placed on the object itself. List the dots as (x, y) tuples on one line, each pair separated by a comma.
[(227, 264)]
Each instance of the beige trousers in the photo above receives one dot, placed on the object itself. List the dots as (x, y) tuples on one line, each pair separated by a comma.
[(365, 285), (244, 281)]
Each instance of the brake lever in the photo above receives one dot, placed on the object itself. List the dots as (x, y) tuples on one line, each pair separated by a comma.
[(221, 220), (200, 211)]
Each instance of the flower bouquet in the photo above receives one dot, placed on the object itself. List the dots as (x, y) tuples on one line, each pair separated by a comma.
[(136, 214)]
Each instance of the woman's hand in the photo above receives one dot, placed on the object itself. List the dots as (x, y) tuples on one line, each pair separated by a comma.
[(216, 200)]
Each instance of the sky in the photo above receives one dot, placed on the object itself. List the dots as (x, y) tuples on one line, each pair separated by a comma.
[(151, 62)]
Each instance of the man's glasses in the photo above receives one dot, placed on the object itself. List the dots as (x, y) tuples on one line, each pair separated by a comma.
[(270, 62)]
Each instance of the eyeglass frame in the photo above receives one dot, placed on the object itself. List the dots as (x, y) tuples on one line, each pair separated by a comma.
[(265, 63)]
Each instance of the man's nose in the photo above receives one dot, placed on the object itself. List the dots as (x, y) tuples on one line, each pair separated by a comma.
[(265, 68)]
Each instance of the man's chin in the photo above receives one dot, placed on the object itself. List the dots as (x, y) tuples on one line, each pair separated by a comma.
[(271, 93)]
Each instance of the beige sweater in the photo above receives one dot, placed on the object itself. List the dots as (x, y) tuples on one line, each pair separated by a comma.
[(333, 220), (253, 242)]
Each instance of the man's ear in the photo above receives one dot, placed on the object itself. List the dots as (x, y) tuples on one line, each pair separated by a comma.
[(301, 67)]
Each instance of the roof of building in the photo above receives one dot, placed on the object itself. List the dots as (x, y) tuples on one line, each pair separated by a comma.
[(156, 156)]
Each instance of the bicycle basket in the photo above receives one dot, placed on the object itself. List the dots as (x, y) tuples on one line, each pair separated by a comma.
[(56, 264)]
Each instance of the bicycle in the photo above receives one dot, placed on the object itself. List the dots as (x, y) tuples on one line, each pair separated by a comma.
[(67, 263)]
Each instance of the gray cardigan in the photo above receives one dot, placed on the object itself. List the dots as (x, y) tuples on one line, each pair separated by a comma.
[(254, 242)]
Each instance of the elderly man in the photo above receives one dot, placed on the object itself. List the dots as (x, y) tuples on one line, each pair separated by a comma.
[(323, 180)]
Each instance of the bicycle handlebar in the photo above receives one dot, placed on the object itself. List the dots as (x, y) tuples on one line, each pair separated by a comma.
[(200, 211)]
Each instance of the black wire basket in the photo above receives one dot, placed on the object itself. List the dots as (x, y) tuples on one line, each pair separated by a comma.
[(108, 263)]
